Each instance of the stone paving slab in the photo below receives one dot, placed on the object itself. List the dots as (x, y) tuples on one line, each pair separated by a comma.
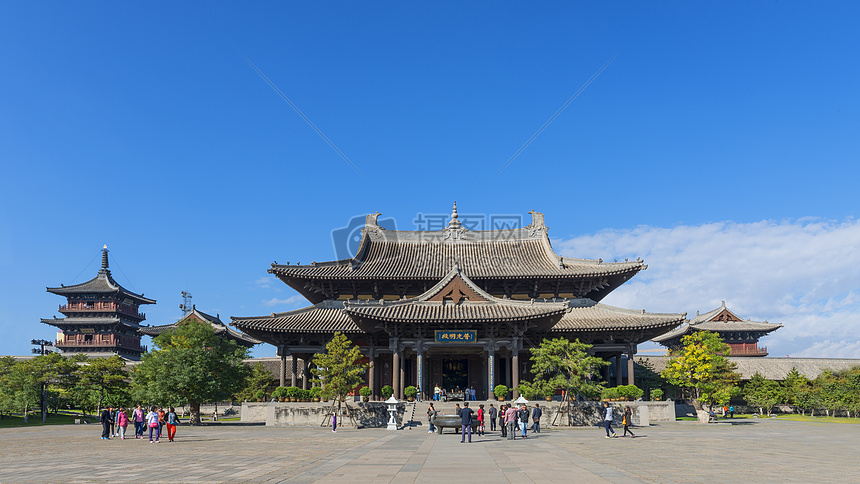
[(756, 451)]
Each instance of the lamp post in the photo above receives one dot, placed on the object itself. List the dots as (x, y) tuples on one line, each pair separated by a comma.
[(392, 409), (42, 351)]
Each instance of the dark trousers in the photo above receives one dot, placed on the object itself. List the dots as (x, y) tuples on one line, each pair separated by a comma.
[(504, 429), (608, 424), (105, 430), (536, 426), (492, 425), (626, 429), (466, 429), (512, 430)]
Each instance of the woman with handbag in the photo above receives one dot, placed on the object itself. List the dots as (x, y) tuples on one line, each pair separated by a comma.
[(152, 422), (626, 421), (121, 422)]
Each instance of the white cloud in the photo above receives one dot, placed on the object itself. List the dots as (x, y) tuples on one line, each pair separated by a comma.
[(292, 301), (265, 282), (802, 273)]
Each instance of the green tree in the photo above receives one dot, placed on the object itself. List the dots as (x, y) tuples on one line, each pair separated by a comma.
[(103, 378), (259, 379), (762, 393), (793, 386), (701, 368), (565, 364), (339, 368), (190, 364), (22, 383)]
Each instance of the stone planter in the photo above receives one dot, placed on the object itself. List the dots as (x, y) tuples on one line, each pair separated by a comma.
[(548, 399), (281, 399)]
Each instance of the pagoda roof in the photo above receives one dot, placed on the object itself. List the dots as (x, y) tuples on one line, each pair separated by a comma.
[(195, 314), (87, 321), (719, 320), (454, 298), (587, 315), (484, 254), (103, 283), (324, 317)]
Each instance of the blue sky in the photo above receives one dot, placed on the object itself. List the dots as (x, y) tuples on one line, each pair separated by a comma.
[(142, 127)]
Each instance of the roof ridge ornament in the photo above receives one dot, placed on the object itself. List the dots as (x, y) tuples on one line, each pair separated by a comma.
[(454, 230), (105, 265)]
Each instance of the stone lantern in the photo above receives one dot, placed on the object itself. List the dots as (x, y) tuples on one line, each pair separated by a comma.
[(392, 409)]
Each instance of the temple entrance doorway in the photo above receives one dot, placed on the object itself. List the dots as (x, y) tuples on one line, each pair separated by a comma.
[(455, 374)]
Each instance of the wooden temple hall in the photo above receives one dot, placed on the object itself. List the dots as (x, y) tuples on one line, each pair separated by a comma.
[(456, 308)]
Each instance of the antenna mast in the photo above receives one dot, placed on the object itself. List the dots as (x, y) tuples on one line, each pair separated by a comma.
[(185, 306)]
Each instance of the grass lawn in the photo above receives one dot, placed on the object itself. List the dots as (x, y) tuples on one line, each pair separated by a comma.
[(801, 418), (35, 420)]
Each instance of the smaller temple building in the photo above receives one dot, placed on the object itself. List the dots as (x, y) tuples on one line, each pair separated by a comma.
[(220, 328), (742, 335), (101, 319)]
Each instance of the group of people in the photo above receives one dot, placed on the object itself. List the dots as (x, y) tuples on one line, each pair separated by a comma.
[(439, 394), (114, 423), (511, 419)]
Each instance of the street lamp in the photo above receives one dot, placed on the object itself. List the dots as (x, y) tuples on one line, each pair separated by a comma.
[(42, 343)]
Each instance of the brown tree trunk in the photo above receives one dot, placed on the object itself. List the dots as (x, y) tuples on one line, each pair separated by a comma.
[(194, 407)]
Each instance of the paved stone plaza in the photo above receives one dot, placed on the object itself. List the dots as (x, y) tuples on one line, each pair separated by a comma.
[(752, 451)]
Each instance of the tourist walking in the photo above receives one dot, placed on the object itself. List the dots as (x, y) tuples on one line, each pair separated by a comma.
[(161, 420), (481, 420), (502, 422), (536, 414), (121, 422), (152, 423), (106, 420), (626, 421), (607, 420), (139, 418), (523, 416), (732, 411), (511, 422), (493, 414), (466, 422), (437, 393), (431, 415), (172, 422)]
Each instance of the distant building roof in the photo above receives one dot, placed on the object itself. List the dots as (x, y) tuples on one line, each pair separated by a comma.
[(215, 321), (769, 367), (719, 320)]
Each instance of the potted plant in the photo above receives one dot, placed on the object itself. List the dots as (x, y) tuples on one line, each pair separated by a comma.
[(410, 392), (260, 395), (293, 393), (629, 392), (279, 393), (387, 391), (656, 394), (365, 393), (609, 394), (315, 393), (501, 392)]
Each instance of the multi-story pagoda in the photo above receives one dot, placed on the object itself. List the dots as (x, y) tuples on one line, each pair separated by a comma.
[(455, 307), (195, 314), (102, 318), (742, 335)]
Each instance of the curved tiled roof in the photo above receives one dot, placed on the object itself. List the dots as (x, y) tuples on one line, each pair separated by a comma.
[(433, 307), (327, 316), (85, 321), (704, 322), (215, 321), (489, 254), (587, 315), (103, 283)]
